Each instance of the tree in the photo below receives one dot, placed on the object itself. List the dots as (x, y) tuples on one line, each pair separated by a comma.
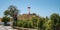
[(6, 13), (41, 24), (35, 21), (55, 19), (5, 20), (13, 12), (46, 19), (48, 25)]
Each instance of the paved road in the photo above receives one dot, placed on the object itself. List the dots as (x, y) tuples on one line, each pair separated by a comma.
[(10, 28), (6, 28)]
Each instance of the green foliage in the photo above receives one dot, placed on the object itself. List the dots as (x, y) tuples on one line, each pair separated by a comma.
[(25, 24), (6, 12), (55, 20), (19, 23), (41, 23), (36, 21), (5, 19), (46, 19), (48, 25), (11, 11)]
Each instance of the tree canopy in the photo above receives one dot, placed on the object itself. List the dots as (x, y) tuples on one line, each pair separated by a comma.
[(12, 10)]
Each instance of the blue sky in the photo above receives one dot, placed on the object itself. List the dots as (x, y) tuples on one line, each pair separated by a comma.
[(40, 7)]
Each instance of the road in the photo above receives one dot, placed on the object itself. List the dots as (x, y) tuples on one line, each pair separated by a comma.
[(10, 28), (6, 28)]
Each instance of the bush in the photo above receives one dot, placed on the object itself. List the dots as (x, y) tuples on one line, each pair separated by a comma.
[(5, 20), (19, 23), (25, 24), (28, 24)]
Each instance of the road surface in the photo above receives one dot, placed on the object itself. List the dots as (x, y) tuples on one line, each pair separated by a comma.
[(6, 28), (10, 28)]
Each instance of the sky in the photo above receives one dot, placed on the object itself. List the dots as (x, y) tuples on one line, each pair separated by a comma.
[(40, 7)]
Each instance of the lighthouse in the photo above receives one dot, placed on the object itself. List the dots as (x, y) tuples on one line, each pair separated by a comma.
[(29, 10)]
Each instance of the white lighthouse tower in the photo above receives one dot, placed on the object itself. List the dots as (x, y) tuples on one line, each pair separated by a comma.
[(29, 10)]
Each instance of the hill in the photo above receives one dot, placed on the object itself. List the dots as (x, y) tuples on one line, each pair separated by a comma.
[(27, 16)]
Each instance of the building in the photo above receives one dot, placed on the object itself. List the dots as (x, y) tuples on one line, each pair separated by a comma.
[(0, 19)]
